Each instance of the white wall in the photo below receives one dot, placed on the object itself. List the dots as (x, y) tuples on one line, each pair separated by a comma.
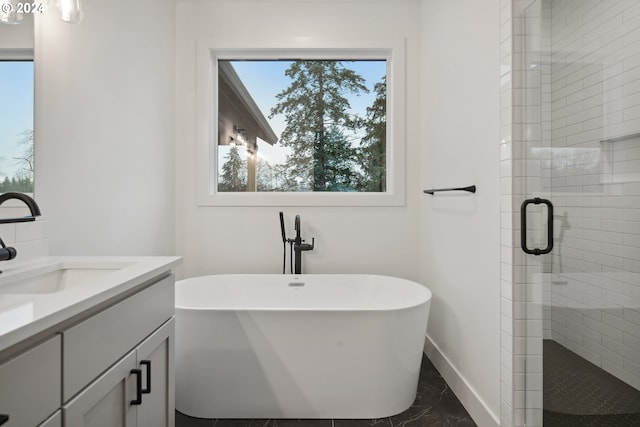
[(17, 36), (104, 128), (247, 239), (460, 232)]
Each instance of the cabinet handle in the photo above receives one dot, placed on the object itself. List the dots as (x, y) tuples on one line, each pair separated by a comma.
[(3, 419), (138, 374), (147, 363)]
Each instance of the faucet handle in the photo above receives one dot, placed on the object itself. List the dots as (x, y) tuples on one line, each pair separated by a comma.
[(306, 246), (7, 252)]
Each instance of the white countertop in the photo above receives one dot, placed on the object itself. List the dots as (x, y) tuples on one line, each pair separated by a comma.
[(25, 315)]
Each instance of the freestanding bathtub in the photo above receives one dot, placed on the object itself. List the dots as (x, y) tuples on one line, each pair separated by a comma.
[(308, 346)]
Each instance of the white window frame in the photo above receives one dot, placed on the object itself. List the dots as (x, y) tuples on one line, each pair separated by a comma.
[(210, 51)]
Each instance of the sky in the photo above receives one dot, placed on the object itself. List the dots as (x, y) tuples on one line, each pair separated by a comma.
[(16, 111), (265, 79)]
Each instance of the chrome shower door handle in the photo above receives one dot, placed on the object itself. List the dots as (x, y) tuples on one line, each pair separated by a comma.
[(523, 226)]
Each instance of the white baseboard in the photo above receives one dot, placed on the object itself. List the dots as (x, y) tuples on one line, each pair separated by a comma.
[(463, 391)]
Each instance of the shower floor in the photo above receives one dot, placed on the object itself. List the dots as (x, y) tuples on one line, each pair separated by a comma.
[(578, 393)]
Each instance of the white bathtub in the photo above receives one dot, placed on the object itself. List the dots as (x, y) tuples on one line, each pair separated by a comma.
[(308, 346)]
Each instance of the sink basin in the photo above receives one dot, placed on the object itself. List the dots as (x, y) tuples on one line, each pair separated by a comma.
[(58, 278)]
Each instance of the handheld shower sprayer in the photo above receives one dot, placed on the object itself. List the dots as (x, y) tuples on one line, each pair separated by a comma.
[(284, 234), (284, 246)]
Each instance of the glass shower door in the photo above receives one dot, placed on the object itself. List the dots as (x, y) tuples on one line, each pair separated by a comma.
[(580, 139)]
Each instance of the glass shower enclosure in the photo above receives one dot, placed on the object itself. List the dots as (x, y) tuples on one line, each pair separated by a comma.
[(579, 64)]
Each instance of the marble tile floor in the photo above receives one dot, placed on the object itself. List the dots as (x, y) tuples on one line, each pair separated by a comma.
[(435, 406)]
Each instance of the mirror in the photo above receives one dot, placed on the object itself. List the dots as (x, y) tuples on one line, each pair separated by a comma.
[(17, 106)]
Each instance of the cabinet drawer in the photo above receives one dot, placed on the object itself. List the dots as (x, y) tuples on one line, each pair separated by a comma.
[(92, 346), (30, 385)]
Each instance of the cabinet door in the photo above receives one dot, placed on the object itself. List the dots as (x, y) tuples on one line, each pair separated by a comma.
[(107, 401), (30, 385), (155, 358)]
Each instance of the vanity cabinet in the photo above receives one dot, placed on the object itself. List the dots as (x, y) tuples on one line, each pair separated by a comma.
[(112, 399), (110, 367)]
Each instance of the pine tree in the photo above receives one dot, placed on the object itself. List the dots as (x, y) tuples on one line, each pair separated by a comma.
[(373, 145), (313, 104), (6, 185), (283, 180), (265, 175), (234, 172), (22, 181), (339, 169)]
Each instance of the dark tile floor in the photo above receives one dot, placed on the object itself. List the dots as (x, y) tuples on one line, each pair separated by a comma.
[(577, 393), (435, 406)]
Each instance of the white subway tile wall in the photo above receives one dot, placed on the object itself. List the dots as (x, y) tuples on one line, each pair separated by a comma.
[(28, 238), (513, 159), (507, 358)]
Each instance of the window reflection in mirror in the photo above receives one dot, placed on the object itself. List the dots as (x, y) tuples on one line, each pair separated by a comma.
[(16, 126), (302, 125)]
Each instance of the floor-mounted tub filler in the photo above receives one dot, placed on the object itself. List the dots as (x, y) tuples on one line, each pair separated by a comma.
[(308, 346)]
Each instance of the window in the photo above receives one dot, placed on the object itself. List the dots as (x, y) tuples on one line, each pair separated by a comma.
[(317, 126), (302, 125), (16, 126)]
